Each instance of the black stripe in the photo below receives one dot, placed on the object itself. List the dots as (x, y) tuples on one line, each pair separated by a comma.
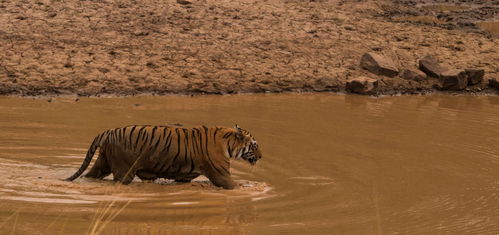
[(193, 149), (108, 136), (138, 137), (213, 165), (131, 135), (185, 151), (112, 136), (227, 135), (168, 141), (178, 146), (199, 145), (101, 136), (186, 144), (157, 142), (229, 144), (215, 134), (126, 137), (194, 142), (206, 139), (168, 147), (123, 133), (153, 133), (116, 134), (120, 133), (146, 135), (172, 163), (229, 149)]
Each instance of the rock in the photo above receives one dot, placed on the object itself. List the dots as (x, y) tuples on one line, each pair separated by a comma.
[(361, 85), (183, 2), (454, 80), (494, 82), (349, 28), (475, 76), (414, 75), (140, 33), (431, 67), (379, 65)]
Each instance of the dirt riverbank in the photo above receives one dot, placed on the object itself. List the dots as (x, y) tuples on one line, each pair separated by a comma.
[(129, 47)]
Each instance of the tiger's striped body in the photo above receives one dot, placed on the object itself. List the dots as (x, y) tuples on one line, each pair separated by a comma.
[(170, 152)]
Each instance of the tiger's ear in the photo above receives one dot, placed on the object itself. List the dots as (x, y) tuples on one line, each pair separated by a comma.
[(239, 136), (239, 133)]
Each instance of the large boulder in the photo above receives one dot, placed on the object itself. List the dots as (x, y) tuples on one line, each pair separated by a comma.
[(362, 85), (454, 80), (414, 75), (379, 64), (475, 76), (431, 67)]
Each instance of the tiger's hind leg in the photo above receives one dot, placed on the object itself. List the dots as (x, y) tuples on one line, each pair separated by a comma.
[(186, 178), (123, 177), (100, 169), (146, 176), (124, 164)]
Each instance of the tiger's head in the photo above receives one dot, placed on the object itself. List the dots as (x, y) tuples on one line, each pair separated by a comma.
[(245, 146)]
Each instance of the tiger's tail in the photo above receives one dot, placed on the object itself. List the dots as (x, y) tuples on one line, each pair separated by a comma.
[(90, 154)]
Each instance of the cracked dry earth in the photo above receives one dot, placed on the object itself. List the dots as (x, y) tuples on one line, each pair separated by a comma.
[(167, 47)]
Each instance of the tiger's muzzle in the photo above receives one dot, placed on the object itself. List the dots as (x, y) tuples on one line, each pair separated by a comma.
[(252, 157)]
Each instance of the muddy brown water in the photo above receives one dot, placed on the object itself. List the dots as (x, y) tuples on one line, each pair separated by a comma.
[(332, 164), (490, 26)]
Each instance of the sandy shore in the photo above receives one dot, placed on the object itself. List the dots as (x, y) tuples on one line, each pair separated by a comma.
[(221, 47)]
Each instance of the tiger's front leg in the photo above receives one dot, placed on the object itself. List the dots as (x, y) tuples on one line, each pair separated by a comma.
[(225, 182), (216, 167), (220, 179)]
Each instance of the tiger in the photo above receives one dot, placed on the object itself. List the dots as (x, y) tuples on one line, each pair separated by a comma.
[(171, 152)]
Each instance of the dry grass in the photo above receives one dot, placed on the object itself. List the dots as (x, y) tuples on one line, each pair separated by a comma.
[(105, 215), (100, 220), (376, 206), (14, 214)]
